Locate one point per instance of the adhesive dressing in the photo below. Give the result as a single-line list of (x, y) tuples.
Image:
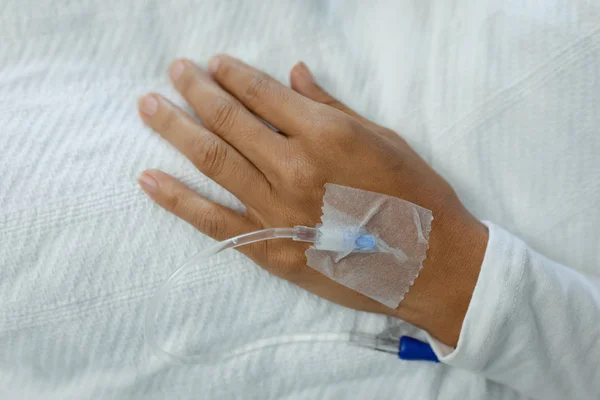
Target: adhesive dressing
[(398, 234)]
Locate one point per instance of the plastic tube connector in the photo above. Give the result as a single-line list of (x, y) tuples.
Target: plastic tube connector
[(342, 240), (405, 347), (305, 234)]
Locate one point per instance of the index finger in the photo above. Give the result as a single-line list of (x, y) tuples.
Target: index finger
[(268, 98)]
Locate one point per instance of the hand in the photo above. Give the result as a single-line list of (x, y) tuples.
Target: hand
[(279, 176)]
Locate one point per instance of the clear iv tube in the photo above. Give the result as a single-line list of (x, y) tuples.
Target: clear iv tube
[(298, 233), (406, 348)]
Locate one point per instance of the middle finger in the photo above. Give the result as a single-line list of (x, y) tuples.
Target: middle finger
[(225, 116)]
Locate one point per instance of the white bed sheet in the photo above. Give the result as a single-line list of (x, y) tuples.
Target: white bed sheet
[(501, 97)]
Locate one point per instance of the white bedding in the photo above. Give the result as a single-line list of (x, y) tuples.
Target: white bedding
[(501, 97)]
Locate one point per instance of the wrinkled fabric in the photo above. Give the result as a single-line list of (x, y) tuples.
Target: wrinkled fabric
[(500, 97)]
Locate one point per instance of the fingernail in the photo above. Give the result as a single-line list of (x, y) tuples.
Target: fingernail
[(148, 105), (213, 65), (148, 183), (305, 72), (176, 70)]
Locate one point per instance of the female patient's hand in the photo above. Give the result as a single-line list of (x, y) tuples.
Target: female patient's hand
[(280, 177)]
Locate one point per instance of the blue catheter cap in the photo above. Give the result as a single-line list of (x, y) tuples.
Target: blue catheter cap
[(413, 349)]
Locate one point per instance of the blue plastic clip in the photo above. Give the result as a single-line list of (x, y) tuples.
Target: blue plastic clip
[(413, 349)]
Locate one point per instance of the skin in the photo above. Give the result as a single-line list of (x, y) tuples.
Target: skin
[(280, 178)]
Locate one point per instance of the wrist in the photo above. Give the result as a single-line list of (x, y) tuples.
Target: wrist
[(439, 299)]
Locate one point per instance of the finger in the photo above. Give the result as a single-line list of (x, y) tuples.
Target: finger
[(210, 154), (268, 98), (210, 218), (303, 82), (224, 115)]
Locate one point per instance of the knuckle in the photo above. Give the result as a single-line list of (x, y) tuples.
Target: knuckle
[(257, 87), (340, 131), (210, 155), (348, 124), (174, 202), (303, 178), (338, 135), (322, 119), (224, 115), (288, 262), (210, 221), (262, 252), (252, 131), (295, 262), (224, 70), (187, 85), (168, 121)]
